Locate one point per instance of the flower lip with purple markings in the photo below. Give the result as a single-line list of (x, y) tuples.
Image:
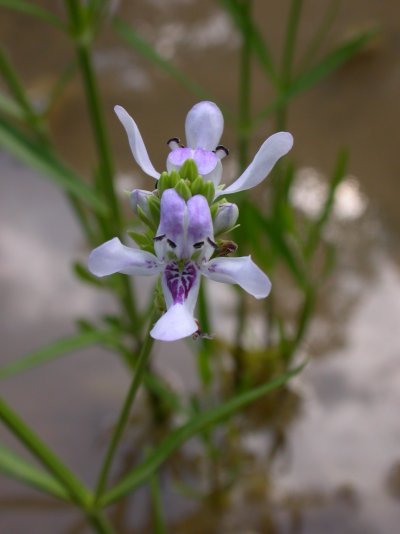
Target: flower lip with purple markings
[(204, 126), (183, 244)]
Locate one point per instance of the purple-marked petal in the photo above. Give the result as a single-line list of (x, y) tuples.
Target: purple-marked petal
[(173, 214), (114, 257), (270, 151), (180, 288), (176, 323), (181, 284), (136, 142), (204, 126), (242, 271)]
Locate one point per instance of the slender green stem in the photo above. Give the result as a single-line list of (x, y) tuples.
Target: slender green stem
[(82, 36), (243, 145), (244, 86), (126, 408), (100, 523), (287, 58), (158, 516)]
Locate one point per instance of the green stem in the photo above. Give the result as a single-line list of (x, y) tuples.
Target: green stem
[(82, 35), (243, 146), (244, 86), (100, 523), (287, 58), (158, 516), (126, 408)]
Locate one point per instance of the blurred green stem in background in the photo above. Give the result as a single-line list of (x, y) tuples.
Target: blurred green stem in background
[(140, 368)]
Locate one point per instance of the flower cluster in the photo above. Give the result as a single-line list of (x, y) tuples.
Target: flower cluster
[(185, 215)]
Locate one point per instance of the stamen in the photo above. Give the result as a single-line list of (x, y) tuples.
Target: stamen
[(199, 244), (221, 152), (174, 143), (158, 237), (171, 243), (212, 243)]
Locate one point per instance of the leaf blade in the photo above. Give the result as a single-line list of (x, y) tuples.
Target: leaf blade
[(210, 417), (44, 161), (16, 467)]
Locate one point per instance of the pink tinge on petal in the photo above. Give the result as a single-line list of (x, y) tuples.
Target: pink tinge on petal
[(206, 161), (178, 156)]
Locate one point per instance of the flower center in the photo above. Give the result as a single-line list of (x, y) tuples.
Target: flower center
[(180, 279)]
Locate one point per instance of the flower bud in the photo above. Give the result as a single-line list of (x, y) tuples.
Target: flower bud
[(225, 218), (140, 198)]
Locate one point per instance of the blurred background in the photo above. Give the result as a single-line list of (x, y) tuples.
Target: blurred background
[(332, 462)]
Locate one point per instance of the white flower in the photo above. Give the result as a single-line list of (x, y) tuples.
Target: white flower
[(204, 125), (184, 244)]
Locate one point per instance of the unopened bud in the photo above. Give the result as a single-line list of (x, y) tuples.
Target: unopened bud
[(225, 218), (140, 198)]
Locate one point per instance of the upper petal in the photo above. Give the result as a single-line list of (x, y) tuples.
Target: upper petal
[(114, 257), (136, 142), (242, 271), (173, 221), (270, 151), (200, 235), (204, 126)]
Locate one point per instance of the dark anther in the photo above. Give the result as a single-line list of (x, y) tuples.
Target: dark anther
[(171, 243), (158, 237), (223, 148), (173, 139), (212, 243), (199, 244)]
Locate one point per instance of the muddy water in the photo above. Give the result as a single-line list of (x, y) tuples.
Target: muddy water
[(339, 468)]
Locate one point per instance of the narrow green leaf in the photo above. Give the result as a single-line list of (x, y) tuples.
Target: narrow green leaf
[(44, 161), (196, 425), (48, 459), (282, 246), (30, 8), (10, 107), (321, 70), (132, 38), (13, 466), (318, 226), (55, 350)]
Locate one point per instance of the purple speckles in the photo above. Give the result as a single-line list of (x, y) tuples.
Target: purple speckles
[(180, 282)]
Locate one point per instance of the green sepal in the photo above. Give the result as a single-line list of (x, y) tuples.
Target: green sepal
[(174, 178), (147, 221), (214, 209), (197, 186), (163, 183), (189, 171), (153, 204), (209, 191), (183, 190), (144, 241)]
